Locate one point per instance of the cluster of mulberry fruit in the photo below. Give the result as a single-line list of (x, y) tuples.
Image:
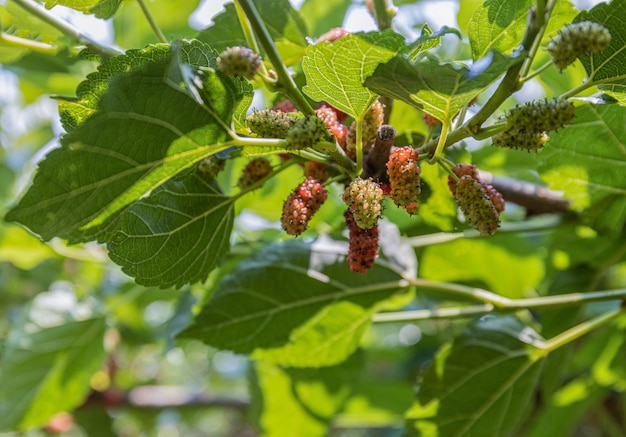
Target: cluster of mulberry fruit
[(480, 203), (577, 39), (301, 205), (527, 125)]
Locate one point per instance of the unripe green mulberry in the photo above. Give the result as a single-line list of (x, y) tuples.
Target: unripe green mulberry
[(239, 61), (253, 172), (211, 166), (404, 176), (306, 132), (578, 39), (526, 125), (269, 123), (477, 206), (363, 248), (364, 198), (372, 121), (301, 205)]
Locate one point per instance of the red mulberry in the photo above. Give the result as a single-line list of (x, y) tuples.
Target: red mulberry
[(301, 205), (363, 248)]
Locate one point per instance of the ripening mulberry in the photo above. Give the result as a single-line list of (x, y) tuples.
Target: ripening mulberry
[(306, 132), (477, 205), (578, 39), (253, 172), (514, 139), (363, 245), (461, 170), (332, 35), (270, 123), (316, 170), (301, 205), (404, 176), (239, 61), (364, 198), (332, 119)]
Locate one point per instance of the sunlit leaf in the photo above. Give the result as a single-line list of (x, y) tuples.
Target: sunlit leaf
[(480, 385), (587, 162), (500, 24), (100, 8), (438, 88), (148, 128), (335, 71)]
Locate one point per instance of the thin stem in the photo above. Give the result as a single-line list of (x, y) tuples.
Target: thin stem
[(542, 13), (67, 29), (381, 13), (537, 72), (284, 78), (153, 24), (441, 143), (359, 146), (24, 43), (439, 313), (579, 330), (490, 131)]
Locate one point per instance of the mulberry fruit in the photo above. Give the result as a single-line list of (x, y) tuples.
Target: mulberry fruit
[(364, 198), (404, 176), (578, 39), (332, 35), (332, 120), (211, 166), (461, 170), (316, 170), (526, 125), (363, 248), (253, 172), (301, 205), (306, 132), (270, 123), (477, 205), (239, 61)]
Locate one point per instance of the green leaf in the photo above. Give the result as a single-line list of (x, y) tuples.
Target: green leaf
[(440, 89), (480, 385), (17, 22), (296, 304), (608, 67), (48, 359), (101, 8), (177, 235), (147, 129), (514, 270), (323, 16), (302, 401), (284, 24), (429, 40), (500, 24), (335, 71), (586, 160)]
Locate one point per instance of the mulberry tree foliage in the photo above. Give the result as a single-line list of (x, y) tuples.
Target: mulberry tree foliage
[(355, 236)]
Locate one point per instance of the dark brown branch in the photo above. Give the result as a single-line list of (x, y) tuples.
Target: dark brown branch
[(535, 198), (376, 161)]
